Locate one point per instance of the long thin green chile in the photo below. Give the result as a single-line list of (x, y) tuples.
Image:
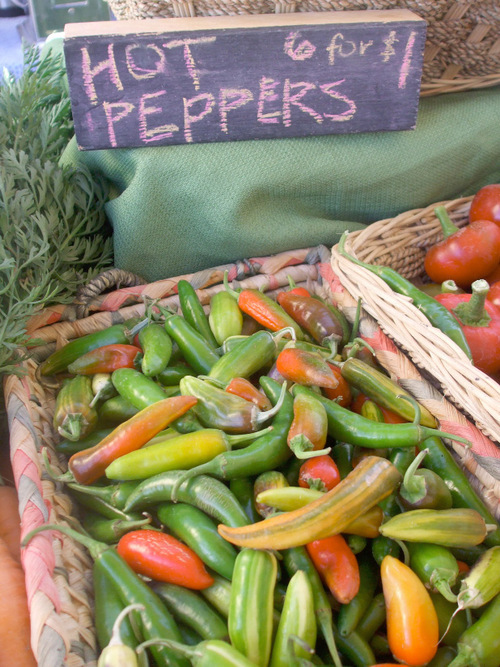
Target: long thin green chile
[(115, 495), (208, 494), (242, 487), (197, 352), (101, 506), (190, 608), (440, 460), (266, 453), (69, 447), (350, 614), (207, 653), (193, 311), (157, 622), (437, 315), (109, 531), (373, 618), (193, 527), (348, 426)]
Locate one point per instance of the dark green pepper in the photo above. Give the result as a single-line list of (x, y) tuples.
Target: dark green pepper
[(193, 311)]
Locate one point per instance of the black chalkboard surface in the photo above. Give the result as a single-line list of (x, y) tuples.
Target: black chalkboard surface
[(203, 79)]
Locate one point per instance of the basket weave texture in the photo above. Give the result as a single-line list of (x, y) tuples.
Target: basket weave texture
[(462, 48), (58, 570)]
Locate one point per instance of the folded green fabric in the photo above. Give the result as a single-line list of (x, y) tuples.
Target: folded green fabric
[(179, 209)]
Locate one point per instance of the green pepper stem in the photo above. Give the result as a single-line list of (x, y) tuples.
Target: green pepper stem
[(449, 287), (472, 312), (447, 226), (442, 584), (71, 429), (278, 335), (356, 344), (267, 414), (116, 638), (228, 288), (183, 649), (414, 485), (132, 333), (416, 406), (243, 438), (94, 547), (64, 477)]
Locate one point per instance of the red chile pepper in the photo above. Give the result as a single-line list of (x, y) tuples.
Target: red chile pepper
[(311, 315), (163, 558), (342, 393), (320, 473), (465, 254), (480, 322), (89, 465), (264, 310), (105, 359), (309, 430), (337, 566), (305, 368)]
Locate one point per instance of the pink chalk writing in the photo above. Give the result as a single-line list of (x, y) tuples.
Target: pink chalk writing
[(289, 100), (267, 92), (303, 51), (190, 119), (138, 72), (405, 66), (149, 135), (238, 97), (188, 55), (89, 73), (112, 118)]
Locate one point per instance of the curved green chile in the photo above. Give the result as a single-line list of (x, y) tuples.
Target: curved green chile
[(373, 618), (193, 312), (440, 460), (347, 426), (156, 345), (172, 375), (242, 487), (115, 495), (479, 644), (193, 527), (115, 411), (208, 494), (445, 611), (266, 453), (190, 609), (197, 352), (109, 531)]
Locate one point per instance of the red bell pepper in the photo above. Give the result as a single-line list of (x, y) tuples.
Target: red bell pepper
[(465, 254), (480, 321)]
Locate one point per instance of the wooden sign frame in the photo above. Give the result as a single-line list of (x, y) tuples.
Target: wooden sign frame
[(213, 79)]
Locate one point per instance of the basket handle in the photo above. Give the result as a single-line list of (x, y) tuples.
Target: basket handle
[(106, 281)]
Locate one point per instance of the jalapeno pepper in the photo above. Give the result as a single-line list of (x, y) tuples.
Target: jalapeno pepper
[(250, 355), (137, 388), (197, 352), (157, 346), (225, 317), (193, 311), (436, 566)]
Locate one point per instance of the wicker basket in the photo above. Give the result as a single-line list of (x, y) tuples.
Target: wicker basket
[(462, 49), (58, 571)]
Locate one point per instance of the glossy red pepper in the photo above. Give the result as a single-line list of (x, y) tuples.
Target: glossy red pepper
[(305, 368), (320, 473), (485, 204), (312, 315), (337, 566), (480, 321), (342, 393), (164, 558), (89, 465), (494, 294), (465, 254), (105, 359)]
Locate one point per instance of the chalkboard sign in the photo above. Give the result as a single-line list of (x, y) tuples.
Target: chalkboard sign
[(204, 79)]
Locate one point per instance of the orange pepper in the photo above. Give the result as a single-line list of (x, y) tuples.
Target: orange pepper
[(412, 622)]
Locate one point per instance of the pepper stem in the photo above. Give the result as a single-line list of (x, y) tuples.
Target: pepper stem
[(183, 649), (303, 448), (357, 319), (71, 428), (450, 287), (278, 335), (447, 226), (473, 313), (65, 477), (441, 583), (267, 414), (413, 487), (355, 345), (94, 547), (116, 638), (243, 438), (227, 287)]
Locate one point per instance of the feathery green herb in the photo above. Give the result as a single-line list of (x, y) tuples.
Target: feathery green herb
[(54, 235)]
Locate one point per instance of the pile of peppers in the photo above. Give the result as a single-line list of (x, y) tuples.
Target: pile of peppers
[(255, 490)]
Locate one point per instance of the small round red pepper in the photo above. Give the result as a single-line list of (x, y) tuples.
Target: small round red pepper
[(485, 204)]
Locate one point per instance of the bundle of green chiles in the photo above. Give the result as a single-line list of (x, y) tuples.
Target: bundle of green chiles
[(254, 489)]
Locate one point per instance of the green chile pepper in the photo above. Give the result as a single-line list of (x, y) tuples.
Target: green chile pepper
[(59, 360), (225, 317), (197, 352), (347, 426), (250, 620), (190, 609), (297, 621), (351, 613), (452, 623), (156, 345), (444, 656), (172, 375), (436, 566), (207, 653), (115, 411), (115, 495), (242, 488), (423, 488), (193, 527), (479, 644), (109, 531), (69, 447), (136, 388), (250, 356), (208, 494), (373, 618), (193, 311)]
